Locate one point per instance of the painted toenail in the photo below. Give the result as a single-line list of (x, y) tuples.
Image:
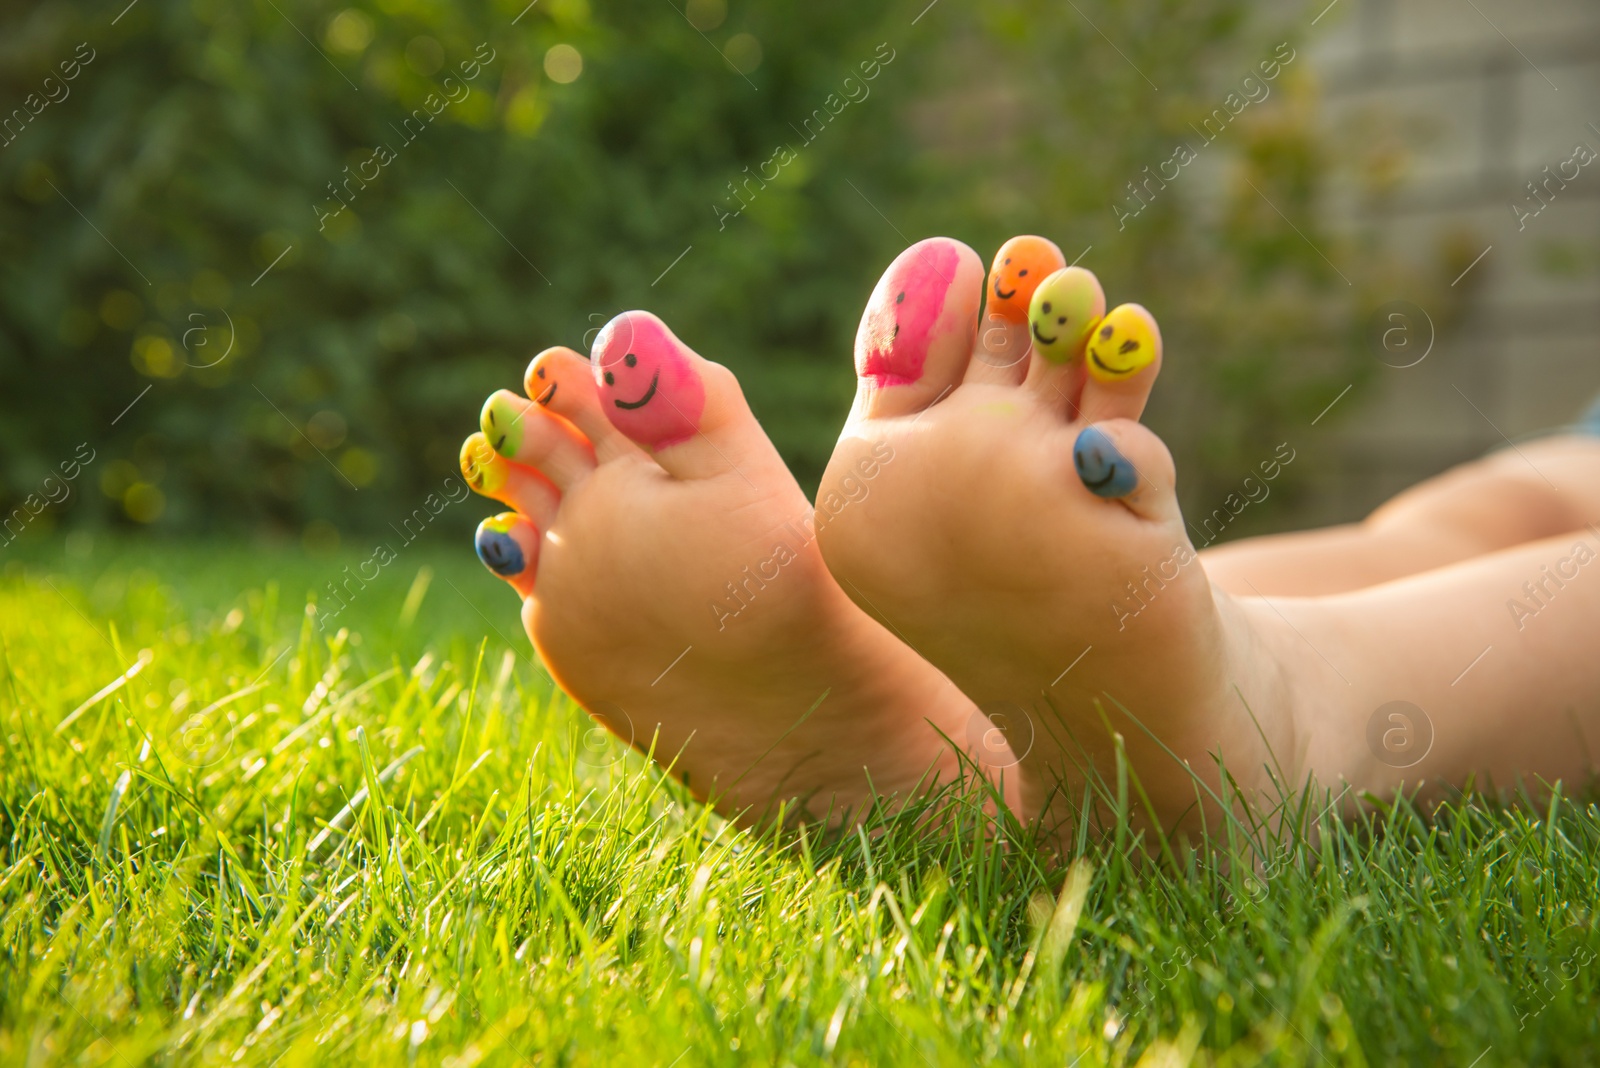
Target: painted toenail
[(496, 547), (502, 425), (650, 389), (484, 469), (1012, 287), (1104, 470), (1124, 346), (1064, 309), (898, 326)]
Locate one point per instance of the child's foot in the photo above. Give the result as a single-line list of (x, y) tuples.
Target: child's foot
[(1026, 539), (672, 584)]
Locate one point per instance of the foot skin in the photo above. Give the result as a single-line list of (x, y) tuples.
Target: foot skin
[(1026, 540), (672, 584), (1025, 537)]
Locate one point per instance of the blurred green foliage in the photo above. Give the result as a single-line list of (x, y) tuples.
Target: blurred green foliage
[(184, 196)]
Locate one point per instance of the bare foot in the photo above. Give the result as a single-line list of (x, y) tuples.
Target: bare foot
[(1026, 539), (672, 584)]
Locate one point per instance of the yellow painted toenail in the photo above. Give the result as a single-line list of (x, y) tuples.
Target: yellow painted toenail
[(1123, 344), (1064, 309), (484, 469)]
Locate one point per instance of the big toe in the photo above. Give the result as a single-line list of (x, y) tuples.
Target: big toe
[(917, 332), (687, 411)]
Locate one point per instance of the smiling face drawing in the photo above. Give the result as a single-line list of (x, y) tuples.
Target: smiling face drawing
[(898, 326), (648, 387), (485, 470), (1123, 344), (1018, 268), (1064, 309), (546, 391)]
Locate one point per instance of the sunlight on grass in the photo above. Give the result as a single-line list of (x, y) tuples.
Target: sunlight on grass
[(229, 836)]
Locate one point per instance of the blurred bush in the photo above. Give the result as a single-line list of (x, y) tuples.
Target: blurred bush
[(321, 234)]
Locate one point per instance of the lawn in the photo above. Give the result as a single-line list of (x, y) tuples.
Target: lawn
[(229, 836)]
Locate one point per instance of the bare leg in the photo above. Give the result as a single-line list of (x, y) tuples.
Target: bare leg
[(1540, 489)]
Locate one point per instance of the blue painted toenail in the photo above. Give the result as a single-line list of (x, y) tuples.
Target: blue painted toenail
[(499, 551), (1103, 469)]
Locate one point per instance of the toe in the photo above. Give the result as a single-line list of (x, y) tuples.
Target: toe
[(508, 545), (561, 381), (1122, 460), (1021, 264), (1064, 309), (687, 411), (493, 476), (520, 430), (917, 332), (1121, 359)]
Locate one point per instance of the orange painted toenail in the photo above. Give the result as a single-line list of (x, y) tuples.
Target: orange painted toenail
[(1018, 268)]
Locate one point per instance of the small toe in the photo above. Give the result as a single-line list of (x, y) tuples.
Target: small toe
[(562, 382), (686, 411), (523, 431), (495, 477), (1121, 359), (918, 330), (1001, 355), (508, 545), (1064, 309), (1122, 460)]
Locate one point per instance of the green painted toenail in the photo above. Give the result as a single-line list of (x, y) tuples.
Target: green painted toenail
[(502, 425), (1064, 309)]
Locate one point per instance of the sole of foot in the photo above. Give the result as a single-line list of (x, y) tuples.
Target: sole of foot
[(1023, 534), (672, 585)]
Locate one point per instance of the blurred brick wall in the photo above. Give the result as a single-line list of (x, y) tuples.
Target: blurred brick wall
[(1442, 112)]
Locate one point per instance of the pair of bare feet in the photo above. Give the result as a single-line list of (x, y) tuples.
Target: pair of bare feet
[(997, 566)]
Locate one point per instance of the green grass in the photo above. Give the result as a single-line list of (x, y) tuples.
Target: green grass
[(177, 885)]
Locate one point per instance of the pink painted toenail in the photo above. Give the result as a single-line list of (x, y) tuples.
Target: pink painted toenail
[(648, 387), (897, 327)]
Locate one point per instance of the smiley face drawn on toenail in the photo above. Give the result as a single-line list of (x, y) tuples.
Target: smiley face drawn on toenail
[(485, 470), (654, 392), (502, 425), (1018, 268), (655, 380), (1122, 346), (1040, 338), (545, 395), (1063, 311), (897, 327), (1105, 472), (498, 550)]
